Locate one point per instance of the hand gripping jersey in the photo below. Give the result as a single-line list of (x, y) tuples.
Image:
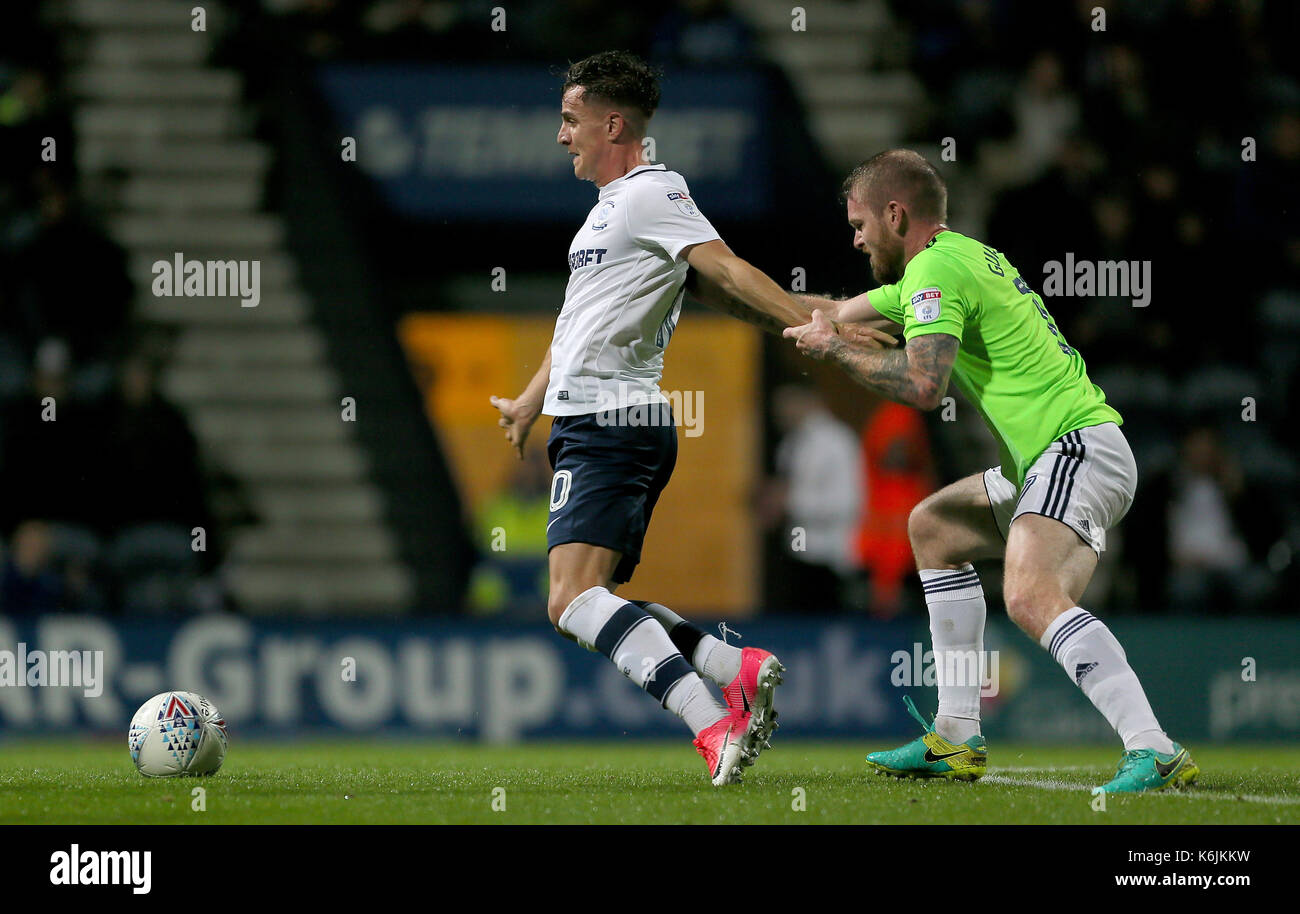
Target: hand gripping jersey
[(626, 279), (1014, 365)]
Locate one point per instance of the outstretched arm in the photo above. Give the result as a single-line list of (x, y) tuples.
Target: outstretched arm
[(726, 283), (733, 286), (915, 376), (855, 310)]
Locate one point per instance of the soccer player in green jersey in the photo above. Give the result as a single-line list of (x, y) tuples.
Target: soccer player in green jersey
[(1066, 474)]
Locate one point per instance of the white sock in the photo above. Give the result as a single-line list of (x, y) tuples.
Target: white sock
[(1094, 659), (643, 652), (955, 600), (691, 700), (716, 660), (712, 658)]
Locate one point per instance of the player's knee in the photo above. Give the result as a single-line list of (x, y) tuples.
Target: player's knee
[(563, 593), (557, 602), (1029, 601), (924, 531), (919, 523), (1020, 603)]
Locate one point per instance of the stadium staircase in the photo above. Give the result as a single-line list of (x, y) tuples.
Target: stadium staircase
[(846, 70), (171, 133)]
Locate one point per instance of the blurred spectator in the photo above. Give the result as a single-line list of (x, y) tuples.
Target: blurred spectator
[(72, 284), (150, 454), (1208, 557), (1206, 481), (816, 499), (1187, 535), (30, 584), (1115, 95), (102, 496), (1046, 113), (898, 465), (512, 536), (156, 496)]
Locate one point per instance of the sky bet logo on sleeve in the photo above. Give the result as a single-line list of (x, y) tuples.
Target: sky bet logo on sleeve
[(927, 304), (684, 203)]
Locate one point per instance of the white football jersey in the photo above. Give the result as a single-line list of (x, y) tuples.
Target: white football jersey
[(626, 279)]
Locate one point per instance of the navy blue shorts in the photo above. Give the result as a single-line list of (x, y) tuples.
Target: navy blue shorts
[(608, 475)]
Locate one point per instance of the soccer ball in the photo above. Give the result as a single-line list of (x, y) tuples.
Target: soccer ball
[(175, 734)]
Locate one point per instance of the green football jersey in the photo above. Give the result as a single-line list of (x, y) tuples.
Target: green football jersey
[(1013, 364)]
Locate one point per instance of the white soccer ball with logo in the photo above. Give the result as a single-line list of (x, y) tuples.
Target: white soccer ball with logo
[(176, 734)]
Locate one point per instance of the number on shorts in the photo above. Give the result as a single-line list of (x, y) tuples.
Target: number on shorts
[(561, 483)]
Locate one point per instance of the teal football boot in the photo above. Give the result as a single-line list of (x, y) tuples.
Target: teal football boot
[(932, 756), (1145, 769)]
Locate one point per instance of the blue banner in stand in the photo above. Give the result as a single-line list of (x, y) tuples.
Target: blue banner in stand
[(479, 142), (1228, 680)]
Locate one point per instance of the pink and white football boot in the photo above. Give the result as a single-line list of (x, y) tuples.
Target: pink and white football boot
[(753, 691), (722, 747)]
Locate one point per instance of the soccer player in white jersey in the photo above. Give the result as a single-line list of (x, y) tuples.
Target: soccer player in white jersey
[(613, 443)]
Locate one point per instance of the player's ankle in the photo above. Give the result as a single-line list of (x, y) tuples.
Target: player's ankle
[(1155, 740), (956, 729)]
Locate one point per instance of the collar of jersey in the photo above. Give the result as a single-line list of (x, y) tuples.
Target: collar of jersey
[(635, 171), (931, 242)]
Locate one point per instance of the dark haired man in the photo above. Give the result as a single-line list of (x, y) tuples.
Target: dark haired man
[(1066, 475), (613, 443)]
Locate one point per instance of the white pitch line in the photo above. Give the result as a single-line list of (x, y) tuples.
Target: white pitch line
[(1044, 784), (1189, 794)]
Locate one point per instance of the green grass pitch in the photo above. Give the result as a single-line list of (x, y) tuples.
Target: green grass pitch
[(373, 781)]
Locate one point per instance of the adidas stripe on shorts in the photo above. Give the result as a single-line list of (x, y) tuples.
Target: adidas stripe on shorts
[(1085, 479)]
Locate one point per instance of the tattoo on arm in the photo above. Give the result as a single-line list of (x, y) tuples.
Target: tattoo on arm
[(916, 375)]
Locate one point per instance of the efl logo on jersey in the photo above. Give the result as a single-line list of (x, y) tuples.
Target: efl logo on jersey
[(927, 304), (684, 203)]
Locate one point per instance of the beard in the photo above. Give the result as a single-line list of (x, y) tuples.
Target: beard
[(886, 271)]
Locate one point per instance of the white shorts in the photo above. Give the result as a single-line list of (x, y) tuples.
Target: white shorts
[(1085, 479)]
